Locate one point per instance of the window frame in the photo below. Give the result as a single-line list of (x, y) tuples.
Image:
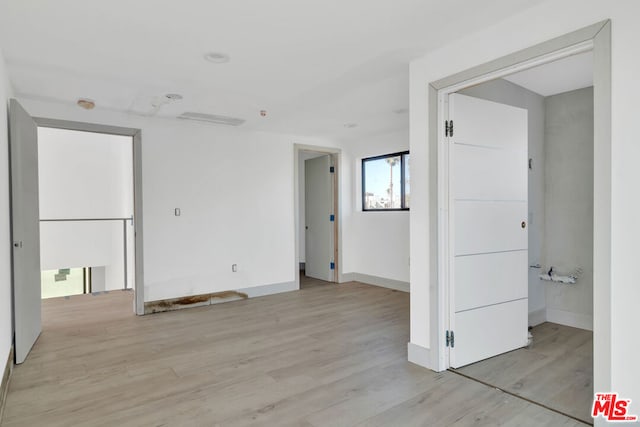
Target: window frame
[(400, 154)]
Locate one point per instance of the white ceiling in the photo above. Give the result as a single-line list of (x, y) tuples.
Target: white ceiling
[(313, 65), (571, 73)]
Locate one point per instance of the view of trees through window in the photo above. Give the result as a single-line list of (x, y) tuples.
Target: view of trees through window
[(385, 182)]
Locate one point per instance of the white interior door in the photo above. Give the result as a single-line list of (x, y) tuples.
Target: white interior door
[(318, 211), (25, 229), (488, 190)]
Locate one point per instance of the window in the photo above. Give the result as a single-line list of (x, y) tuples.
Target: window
[(385, 182)]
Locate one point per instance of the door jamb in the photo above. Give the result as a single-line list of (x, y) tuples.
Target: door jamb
[(597, 38), (136, 135), (336, 157)]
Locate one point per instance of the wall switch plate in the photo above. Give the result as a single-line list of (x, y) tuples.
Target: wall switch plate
[(234, 268), (177, 211)]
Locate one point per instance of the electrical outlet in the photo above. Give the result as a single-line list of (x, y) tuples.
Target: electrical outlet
[(234, 268)]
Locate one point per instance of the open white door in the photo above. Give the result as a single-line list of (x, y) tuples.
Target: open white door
[(488, 190), (318, 212), (25, 229)]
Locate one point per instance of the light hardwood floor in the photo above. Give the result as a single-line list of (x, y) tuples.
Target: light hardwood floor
[(309, 282), (556, 370), (323, 356)]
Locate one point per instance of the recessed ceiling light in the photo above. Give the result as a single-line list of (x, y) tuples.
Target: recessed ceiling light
[(217, 57), (85, 103), (350, 125)]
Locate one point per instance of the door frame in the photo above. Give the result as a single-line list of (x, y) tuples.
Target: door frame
[(596, 38), (136, 135), (336, 158)]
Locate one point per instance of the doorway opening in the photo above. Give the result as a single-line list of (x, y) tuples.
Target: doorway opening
[(595, 376), (86, 212), (521, 203), (26, 220), (318, 220)]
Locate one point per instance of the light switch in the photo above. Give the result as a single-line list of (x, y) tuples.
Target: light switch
[(177, 211)]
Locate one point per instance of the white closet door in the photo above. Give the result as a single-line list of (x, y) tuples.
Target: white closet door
[(489, 225), (318, 211), (25, 229)]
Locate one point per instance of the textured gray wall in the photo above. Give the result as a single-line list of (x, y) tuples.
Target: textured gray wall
[(568, 230), (511, 94)]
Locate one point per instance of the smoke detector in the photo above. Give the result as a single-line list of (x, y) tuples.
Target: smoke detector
[(211, 118), (217, 57)]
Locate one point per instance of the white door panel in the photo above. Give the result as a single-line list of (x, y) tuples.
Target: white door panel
[(505, 271), (488, 187), (25, 229), (487, 123), (319, 228), (488, 331), (476, 178), (490, 227)]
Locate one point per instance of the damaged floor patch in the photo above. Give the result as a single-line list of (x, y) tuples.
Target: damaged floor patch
[(193, 301)]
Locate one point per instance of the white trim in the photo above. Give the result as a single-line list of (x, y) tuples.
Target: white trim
[(5, 380), (272, 289), (576, 49), (419, 355), (553, 50), (537, 317), (568, 318), (382, 282)]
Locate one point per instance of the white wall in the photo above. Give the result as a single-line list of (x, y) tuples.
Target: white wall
[(535, 25), (376, 243), (6, 296), (86, 175), (234, 188), (568, 230), (508, 93)]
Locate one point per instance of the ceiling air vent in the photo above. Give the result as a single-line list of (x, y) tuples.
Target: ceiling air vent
[(212, 118)]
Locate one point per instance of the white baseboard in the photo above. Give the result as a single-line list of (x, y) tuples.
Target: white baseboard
[(4, 381), (568, 318), (397, 285), (537, 317), (275, 288), (217, 297), (419, 355)]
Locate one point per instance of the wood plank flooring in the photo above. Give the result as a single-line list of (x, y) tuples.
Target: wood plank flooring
[(330, 355), (556, 370)]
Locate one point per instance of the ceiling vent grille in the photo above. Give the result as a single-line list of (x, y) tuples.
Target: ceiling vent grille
[(212, 118)]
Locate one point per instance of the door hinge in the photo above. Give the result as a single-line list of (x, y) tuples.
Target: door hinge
[(332, 169), (448, 128), (450, 339)]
